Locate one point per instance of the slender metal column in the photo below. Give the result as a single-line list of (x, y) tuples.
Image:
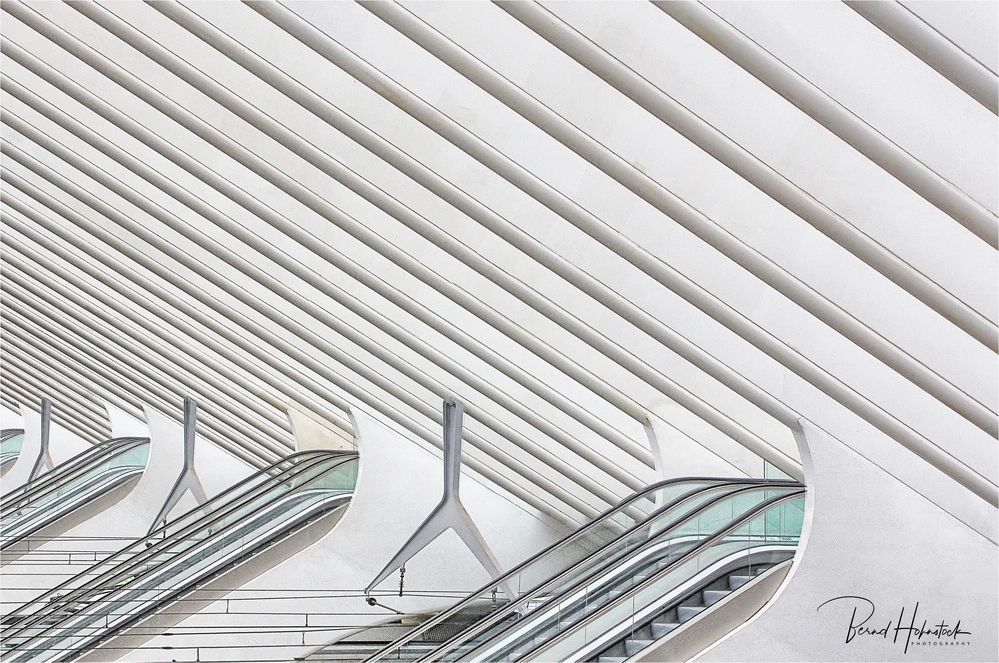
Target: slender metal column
[(43, 458), (449, 513), (188, 479)]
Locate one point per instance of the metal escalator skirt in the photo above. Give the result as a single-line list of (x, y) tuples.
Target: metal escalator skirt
[(613, 523), (194, 555), (750, 530), (686, 510), (79, 485)]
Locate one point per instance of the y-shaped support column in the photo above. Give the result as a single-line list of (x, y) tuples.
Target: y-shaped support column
[(44, 458), (449, 512), (188, 479)]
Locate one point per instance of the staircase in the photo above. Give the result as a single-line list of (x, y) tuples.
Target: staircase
[(361, 646), (679, 613)]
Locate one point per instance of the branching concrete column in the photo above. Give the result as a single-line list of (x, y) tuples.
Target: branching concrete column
[(44, 458), (188, 478), (449, 512)]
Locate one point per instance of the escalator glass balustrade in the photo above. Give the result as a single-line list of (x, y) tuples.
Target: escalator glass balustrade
[(583, 621), (11, 441), (699, 505), (174, 559), (75, 483), (571, 597)]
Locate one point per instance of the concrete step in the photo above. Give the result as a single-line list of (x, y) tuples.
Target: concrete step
[(659, 629), (686, 613), (712, 596), (632, 647)]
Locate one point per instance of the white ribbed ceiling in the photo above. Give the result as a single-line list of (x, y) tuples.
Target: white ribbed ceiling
[(570, 216)]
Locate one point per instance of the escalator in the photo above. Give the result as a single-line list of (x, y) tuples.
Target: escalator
[(590, 596), (95, 472), (197, 547), (11, 440)]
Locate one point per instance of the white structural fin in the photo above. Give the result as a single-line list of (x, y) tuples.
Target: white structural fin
[(312, 434), (63, 445), (123, 424)]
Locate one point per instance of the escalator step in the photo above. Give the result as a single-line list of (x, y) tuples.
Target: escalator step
[(735, 582), (712, 596), (686, 613), (632, 647), (659, 629)]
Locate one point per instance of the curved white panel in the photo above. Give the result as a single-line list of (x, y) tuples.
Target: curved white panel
[(874, 538), (10, 419)]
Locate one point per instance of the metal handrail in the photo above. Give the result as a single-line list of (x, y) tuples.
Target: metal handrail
[(64, 586), (634, 497), (69, 469), (302, 520), (714, 538), (84, 467), (499, 615), (96, 585), (98, 485), (156, 544)]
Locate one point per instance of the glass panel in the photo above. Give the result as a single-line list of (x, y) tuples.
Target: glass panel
[(548, 564), (779, 525), (278, 506), (10, 448), (101, 473), (602, 577)]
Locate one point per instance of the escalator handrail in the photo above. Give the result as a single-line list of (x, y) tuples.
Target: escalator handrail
[(501, 614), (66, 470), (69, 474), (282, 527), (286, 528), (310, 459), (138, 543), (29, 505), (57, 473), (53, 475), (94, 585), (654, 577), (634, 497), (690, 587), (200, 545), (88, 641), (99, 485)]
